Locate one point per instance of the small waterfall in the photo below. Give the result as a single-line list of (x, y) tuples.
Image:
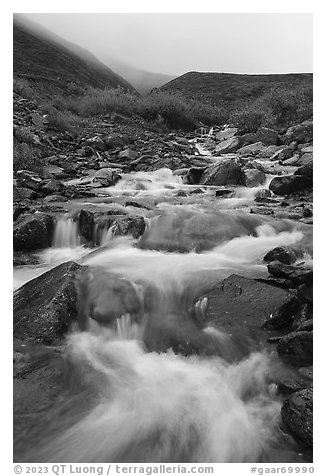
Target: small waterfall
[(107, 235), (66, 233)]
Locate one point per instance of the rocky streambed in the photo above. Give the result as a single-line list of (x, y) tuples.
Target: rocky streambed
[(163, 301)]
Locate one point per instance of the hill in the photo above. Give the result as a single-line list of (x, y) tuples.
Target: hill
[(230, 89), (43, 59)]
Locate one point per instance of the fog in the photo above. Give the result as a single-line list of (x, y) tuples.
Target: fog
[(174, 43)]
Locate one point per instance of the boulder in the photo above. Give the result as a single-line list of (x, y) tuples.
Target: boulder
[(194, 175), (126, 225), (55, 198), (23, 193), (239, 301), (254, 177), (226, 172), (53, 171), (107, 177), (28, 179), (226, 134), (296, 348), (300, 133), (305, 170), (105, 297), (289, 184), (52, 186), (252, 149), (32, 232), (297, 415), (267, 136), (227, 146), (127, 154), (297, 274), (45, 307), (283, 254), (86, 224)]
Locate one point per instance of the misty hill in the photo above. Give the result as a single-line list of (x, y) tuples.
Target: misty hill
[(53, 63), (218, 88), (142, 81)]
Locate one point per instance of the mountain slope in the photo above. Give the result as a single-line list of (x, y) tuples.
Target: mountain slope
[(142, 81), (217, 88), (42, 59)]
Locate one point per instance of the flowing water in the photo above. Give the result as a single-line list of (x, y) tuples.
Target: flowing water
[(144, 378)]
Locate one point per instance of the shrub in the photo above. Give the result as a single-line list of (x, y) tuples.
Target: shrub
[(25, 156), (62, 120), (22, 87)]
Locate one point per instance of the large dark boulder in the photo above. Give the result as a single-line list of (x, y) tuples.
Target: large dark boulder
[(227, 172), (267, 136), (301, 133), (296, 348), (283, 254), (194, 175), (288, 184), (28, 179), (32, 232), (126, 225), (86, 224), (306, 170), (239, 301), (297, 415), (45, 307), (297, 274)]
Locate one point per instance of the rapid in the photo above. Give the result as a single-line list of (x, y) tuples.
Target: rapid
[(146, 379)]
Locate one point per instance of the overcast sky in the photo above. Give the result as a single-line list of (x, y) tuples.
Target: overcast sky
[(175, 43)]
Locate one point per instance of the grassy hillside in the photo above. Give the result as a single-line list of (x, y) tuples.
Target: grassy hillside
[(53, 67), (234, 89)]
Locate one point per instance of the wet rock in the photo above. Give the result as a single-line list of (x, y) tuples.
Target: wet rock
[(297, 415), (194, 175), (125, 225), (296, 348), (306, 326), (289, 386), (22, 193), (86, 224), (28, 179), (33, 232), (227, 146), (45, 307), (300, 133), (222, 192), (227, 172), (254, 177), (139, 204), (107, 177), (289, 184), (106, 297), (267, 136), (306, 212), (19, 210), (297, 274), (306, 170), (282, 254), (239, 301)]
